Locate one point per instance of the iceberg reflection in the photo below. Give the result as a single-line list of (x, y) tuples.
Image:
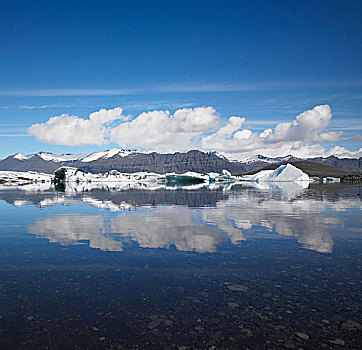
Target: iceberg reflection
[(236, 216), (288, 189)]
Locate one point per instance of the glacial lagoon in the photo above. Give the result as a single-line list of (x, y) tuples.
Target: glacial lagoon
[(238, 266)]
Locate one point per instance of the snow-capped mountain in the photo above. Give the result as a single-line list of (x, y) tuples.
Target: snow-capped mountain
[(20, 156), (84, 157), (109, 154), (130, 161), (125, 161), (260, 158)]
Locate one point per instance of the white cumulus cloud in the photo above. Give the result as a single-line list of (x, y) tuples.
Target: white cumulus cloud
[(342, 152), (166, 132), (71, 130), (298, 137)]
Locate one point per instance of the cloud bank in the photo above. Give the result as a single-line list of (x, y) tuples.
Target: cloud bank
[(162, 131), (69, 130), (301, 137), (202, 128)]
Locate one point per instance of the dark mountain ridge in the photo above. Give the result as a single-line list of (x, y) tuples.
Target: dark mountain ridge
[(134, 161)]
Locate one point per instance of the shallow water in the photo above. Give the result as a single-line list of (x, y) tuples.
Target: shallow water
[(231, 267)]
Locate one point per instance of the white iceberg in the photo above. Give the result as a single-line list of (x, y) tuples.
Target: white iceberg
[(225, 177), (70, 174), (284, 173), (23, 178), (75, 180)]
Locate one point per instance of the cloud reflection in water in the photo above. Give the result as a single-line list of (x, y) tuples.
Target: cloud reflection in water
[(202, 229)]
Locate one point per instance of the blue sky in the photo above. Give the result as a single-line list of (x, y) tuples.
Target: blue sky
[(266, 61)]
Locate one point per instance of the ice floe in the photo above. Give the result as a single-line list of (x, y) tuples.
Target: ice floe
[(330, 179), (23, 178), (75, 179), (70, 174), (284, 173)]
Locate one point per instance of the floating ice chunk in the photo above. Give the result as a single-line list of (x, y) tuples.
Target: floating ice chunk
[(225, 177), (70, 174), (288, 172), (284, 173), (23, 177), (260, 176), (329, 179)]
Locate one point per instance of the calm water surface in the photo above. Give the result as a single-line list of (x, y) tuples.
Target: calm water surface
[(209, 268)]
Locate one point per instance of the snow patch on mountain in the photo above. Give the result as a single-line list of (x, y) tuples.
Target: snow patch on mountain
[(20, 156), (61, 158), (218, 154), (261, 158), (108, 154), (84, 157)]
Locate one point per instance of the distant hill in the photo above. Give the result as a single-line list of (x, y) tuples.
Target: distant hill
[(344, 164), (136, 161), (310, 168)]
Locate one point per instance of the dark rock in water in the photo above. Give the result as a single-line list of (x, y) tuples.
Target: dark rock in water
[(255, 341), (351, 325), (154, 324), (302, 336), (338, 341), (355, 177), (233, 305), (237, 287)]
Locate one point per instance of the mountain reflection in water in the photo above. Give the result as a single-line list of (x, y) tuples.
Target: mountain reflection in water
[(197, 220)]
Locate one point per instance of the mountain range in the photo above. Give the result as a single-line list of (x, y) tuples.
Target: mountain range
[(136, 161)]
